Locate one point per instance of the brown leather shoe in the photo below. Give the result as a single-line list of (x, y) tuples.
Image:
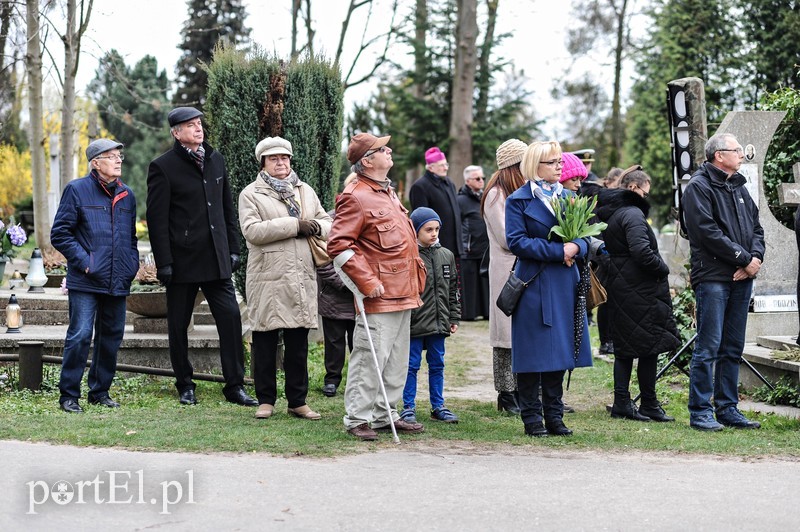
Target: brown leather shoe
[(363, 432), (304, 412), (264, 411), (403, 426)]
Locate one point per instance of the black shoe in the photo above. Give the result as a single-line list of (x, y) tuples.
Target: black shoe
[(733, 418), (627, 410), (329, 390), (105, 401), (556, 427), (239, 397), (187, 397), (607, 348), (507, 401), (536, 430), (71, 406), (655, 413)]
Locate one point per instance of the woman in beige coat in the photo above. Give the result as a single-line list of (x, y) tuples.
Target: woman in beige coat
[(506, 180), (278, 215)]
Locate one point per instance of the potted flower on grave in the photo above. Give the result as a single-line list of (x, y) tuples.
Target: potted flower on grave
[(11, 235), (148, 297), (55, 267)]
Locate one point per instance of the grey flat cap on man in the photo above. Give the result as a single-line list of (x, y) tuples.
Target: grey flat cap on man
[(99, 146), (182, 114)]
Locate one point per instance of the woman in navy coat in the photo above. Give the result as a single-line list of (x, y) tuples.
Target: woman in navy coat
[(542, 327)]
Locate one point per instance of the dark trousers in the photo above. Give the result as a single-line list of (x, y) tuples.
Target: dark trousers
[(604, 324), (295, 365), (550, 406), (105, 316), (338, 337), (221, 299), (646, 371)]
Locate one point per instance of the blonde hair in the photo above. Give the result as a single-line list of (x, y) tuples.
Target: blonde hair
[(536, 153)]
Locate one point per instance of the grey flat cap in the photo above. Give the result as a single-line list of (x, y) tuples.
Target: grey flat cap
[(101, 146), (182, 114)]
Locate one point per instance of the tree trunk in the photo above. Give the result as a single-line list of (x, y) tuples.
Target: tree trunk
[(461, 108), (68, 98), (420, 69), (616, 114), (484, 63), (295, 14), (33, 62)]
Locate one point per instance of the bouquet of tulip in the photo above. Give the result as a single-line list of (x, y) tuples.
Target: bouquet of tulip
[(573, 214), (10, 235)]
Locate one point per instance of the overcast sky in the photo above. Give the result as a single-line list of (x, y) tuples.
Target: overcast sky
[(142, 27)]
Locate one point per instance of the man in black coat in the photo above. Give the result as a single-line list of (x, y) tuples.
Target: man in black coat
[(436, 191), (195, 240), (474, 287)]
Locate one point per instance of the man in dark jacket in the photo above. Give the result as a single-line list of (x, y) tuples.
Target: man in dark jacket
[(727, 247), (475, 241), (195, 240), (95, 229), (436, 191)]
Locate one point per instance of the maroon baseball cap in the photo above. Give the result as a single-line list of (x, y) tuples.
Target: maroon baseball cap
[(362, 143)]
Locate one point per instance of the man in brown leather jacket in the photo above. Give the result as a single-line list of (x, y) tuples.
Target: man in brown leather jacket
[(371, 221)]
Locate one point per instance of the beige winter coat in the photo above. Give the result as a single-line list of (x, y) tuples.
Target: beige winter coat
[(281, 283), (500, 262)]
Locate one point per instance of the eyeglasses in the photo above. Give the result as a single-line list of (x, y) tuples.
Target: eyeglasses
[(382, 149), (113, 157), (644, 193), (479, 178), (554, 162), (738, 150)]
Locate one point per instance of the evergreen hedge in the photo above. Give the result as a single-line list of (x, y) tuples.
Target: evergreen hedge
[(253, 95)]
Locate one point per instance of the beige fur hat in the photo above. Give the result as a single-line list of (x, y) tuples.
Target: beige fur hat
[(510, 153)]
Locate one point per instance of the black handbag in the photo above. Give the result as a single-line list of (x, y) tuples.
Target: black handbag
[(483, 269), (509, 296)]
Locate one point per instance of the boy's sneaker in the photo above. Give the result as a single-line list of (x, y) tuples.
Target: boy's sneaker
[(444, 415), (409, 415)]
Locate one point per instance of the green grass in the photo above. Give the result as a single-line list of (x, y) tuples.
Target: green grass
[(152, 419)]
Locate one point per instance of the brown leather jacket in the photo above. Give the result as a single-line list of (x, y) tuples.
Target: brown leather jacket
[(374, 224)]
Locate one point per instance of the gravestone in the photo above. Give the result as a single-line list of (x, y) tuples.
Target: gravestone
[(774, 290)]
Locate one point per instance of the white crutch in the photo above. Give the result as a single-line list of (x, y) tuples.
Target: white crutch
[(338, 261)]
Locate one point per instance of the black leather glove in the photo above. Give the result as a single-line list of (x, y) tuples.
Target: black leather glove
[(308, 228), (164, 274), (235, 262)]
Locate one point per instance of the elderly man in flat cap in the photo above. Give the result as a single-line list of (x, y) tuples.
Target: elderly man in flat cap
[(195, 240), (371, 223), (95, 229)]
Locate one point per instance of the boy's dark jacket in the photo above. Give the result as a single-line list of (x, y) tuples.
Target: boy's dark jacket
[(441, 305)]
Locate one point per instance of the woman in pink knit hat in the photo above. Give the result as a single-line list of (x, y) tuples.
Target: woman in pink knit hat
[(573, 172)]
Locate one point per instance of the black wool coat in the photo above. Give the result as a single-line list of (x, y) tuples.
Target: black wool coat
[(440, 195), (474, 237), (190, 216), (639, 303)]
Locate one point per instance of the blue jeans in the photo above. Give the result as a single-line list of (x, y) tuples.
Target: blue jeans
[(434, 354), (721, 321), (105, 316)]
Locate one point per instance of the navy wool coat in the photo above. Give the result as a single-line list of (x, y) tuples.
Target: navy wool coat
[(542, 328), (95, 231)]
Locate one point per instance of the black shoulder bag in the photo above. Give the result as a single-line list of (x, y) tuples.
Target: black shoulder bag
[(509, 296)]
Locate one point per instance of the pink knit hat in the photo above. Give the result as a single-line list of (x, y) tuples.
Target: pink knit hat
[(434, 155), (573, 167)]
